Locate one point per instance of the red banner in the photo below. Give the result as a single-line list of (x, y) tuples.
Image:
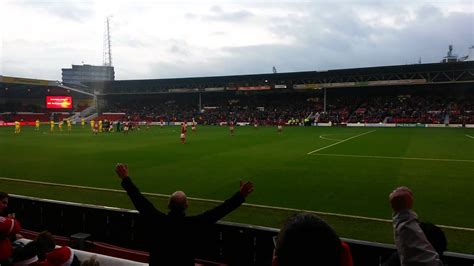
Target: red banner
[(8, 124), (58, 102)]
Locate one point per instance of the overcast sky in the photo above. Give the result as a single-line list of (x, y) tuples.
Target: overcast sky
[(162, 39)]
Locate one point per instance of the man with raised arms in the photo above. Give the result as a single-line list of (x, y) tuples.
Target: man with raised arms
[(174, 236)]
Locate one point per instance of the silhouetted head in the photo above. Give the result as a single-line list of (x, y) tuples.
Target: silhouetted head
[(3, 202), (305, 239), (92, 261), (44, 243), (178, 202)]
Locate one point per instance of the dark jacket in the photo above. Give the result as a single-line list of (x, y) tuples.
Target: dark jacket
[(174, 236)]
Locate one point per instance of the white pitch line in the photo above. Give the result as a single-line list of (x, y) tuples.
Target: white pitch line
[(339, 142), (394, 157), (469, 136), (96, 188), (219, 201), (323, 137)]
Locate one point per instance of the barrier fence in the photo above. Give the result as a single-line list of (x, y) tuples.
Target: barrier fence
[(230, 243)]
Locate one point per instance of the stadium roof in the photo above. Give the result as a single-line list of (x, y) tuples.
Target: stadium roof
[(22, 86), (28, 81), (459, 72)]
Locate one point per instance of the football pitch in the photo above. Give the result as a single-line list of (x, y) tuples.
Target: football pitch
[(344, 174)]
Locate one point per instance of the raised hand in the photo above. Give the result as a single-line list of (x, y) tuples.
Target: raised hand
[(121, 170), (401, 198), (246, 188)]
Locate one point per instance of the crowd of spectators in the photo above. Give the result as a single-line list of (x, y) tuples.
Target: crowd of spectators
[(461, 111), (20, 107), (268, 109), (401, 109), (42, 251), (304, 238)]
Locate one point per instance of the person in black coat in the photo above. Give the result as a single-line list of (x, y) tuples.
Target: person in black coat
[(174, 236)]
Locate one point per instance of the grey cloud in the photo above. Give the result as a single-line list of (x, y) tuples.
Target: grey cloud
[(133, 43), (66, 9), (230, 16), (244, 60), (218, 33), (191, 16), (428, 11), (347, 43), (325, 35), (218, 14), (179, 47), (342, 40), (216, 9)]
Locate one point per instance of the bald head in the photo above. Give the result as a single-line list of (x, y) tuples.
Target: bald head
[(178, 201)]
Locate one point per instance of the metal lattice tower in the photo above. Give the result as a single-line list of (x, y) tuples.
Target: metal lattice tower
[(107, 46)]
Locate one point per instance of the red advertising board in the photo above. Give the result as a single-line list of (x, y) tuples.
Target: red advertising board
[(58, 102), (7, 124)]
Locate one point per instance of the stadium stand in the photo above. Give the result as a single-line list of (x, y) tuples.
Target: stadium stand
[(423, 93), (111, 117), (392, 106)]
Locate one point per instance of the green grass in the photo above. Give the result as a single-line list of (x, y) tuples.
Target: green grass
[(212, 162)]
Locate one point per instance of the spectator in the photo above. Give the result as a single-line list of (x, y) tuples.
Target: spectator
[(3, 203), (412, 244), (174, 235), (435, 236), (27, 255), (5, 212), (44, 243), (92, 261), (8, 228), (306, 239), (42, 252), (63, 256)]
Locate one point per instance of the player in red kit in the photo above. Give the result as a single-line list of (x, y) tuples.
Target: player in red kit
[(231, 127), (95, 128), (162, 121), (183, 132), (280, 124)]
